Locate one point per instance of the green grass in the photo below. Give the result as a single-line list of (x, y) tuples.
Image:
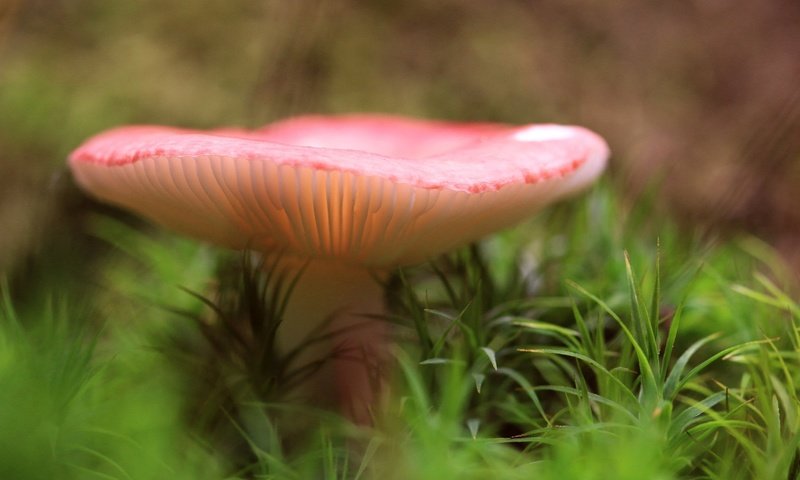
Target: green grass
[(596, 341)]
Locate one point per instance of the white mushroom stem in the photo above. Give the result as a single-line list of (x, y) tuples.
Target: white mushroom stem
[(334, 298)]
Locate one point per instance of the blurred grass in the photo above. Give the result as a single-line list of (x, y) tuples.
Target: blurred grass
[(619, 349), (73, 409)]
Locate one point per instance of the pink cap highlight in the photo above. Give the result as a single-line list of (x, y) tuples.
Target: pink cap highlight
[(368, 189)]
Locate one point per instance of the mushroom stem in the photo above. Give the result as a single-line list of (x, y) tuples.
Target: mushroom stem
[(342, 301)]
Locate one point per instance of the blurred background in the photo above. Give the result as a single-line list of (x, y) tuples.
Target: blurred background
[(699, 99)]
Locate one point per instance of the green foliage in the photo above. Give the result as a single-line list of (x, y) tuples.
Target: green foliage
[(71, 412), (623, 384), (591, 343)]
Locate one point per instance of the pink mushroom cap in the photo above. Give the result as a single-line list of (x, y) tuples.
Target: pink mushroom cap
[(370, 190)]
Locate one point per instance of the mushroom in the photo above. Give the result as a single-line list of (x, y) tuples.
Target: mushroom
[(350, 197)]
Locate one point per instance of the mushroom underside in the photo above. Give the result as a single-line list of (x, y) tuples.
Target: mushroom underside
[(369, 221)]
